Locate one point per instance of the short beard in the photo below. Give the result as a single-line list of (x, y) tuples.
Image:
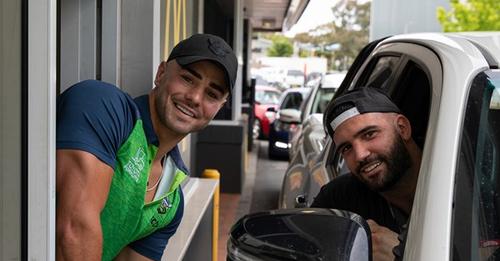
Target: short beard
[(398, 163), (160, 107)]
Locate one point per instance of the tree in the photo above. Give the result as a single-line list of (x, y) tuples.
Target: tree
[(281, 46), (341, 40), (470, 15)]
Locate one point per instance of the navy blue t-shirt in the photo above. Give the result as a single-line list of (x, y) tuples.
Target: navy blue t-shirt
[(97, 117)]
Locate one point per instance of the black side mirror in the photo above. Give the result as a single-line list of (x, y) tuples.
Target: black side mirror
[(300, 234), (271, 109)]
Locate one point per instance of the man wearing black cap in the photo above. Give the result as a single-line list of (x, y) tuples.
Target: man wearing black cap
[(375, 140), (118, 166)]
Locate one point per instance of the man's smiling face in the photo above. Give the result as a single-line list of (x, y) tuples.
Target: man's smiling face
[(373, 149), (188, 98)]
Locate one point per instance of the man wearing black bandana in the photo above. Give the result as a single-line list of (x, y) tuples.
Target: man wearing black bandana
[(375, 140)]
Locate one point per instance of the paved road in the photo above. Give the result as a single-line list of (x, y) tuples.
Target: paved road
[(268, 178)]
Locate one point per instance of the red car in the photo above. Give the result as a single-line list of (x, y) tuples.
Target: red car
[(265, 97)]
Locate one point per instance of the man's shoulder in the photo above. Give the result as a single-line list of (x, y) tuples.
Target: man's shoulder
[(97, 96), (345, 181), (345, 185), (95, 89)]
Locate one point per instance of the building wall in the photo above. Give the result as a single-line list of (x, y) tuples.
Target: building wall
[(10, 130), (390, 17)]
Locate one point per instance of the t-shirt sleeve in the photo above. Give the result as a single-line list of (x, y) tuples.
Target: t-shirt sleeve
[(332, 194), (153, 245), (322, 199), (95, 117)]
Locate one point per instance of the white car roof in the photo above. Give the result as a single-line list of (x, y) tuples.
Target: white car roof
[(490, 41), (332, 80)]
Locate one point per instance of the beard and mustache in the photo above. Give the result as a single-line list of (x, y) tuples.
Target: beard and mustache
[(397, 160)]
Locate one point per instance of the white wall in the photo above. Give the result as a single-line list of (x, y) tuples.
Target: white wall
[(42, 15)]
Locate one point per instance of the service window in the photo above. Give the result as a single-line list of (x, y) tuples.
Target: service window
[(476, 216)]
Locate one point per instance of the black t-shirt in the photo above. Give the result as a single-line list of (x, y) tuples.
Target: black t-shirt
[(346, 192)]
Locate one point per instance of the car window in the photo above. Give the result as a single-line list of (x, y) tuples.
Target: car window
[(292, 101), (295, 73), (382, 71), (412, 94), (323, 97), (267, 97), (476, 215)]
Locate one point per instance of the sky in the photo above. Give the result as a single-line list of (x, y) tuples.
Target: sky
[(317, 12)]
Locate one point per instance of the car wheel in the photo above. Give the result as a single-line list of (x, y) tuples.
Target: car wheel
[(256, 130)]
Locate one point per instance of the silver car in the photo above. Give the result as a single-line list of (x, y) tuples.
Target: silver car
[(304, 172)]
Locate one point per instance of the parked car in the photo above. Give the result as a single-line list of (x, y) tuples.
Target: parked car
[(290, 102), (311, 112), (265, 97), (448, 85), (304, 174), (294, 78)]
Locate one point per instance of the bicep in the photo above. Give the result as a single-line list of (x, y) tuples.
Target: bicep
[(82, 183)]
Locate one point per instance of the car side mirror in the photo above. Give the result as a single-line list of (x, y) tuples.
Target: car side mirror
[(271, 109), (290, 116), (300, 234)]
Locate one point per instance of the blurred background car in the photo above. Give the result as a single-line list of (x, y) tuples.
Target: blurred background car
[(294, 78), (305, 175), (311, 112), (265, 97), (286, 116)]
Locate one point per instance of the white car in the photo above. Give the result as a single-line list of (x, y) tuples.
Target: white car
[(448, 85), (294, 78)]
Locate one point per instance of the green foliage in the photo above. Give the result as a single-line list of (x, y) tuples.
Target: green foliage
[(349, 32), (470, 15), (281, 47), (304, 53)]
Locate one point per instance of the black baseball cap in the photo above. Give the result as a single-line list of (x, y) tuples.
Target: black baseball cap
[(356, 102), (200, 47)]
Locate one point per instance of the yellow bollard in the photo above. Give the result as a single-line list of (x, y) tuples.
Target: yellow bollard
[(214, 174)]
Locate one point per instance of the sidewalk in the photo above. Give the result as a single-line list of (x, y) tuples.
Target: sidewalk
[(234, 206)]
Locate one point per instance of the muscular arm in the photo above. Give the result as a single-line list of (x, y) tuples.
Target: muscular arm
[(82, 186)]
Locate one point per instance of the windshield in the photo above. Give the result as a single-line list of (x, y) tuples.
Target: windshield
[(267, 97), (476, 234), (323, 97)]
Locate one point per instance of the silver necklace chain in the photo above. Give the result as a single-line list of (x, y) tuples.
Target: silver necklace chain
[(158, 181)]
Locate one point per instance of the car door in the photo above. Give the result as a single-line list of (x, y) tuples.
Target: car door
[(412, 75)]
